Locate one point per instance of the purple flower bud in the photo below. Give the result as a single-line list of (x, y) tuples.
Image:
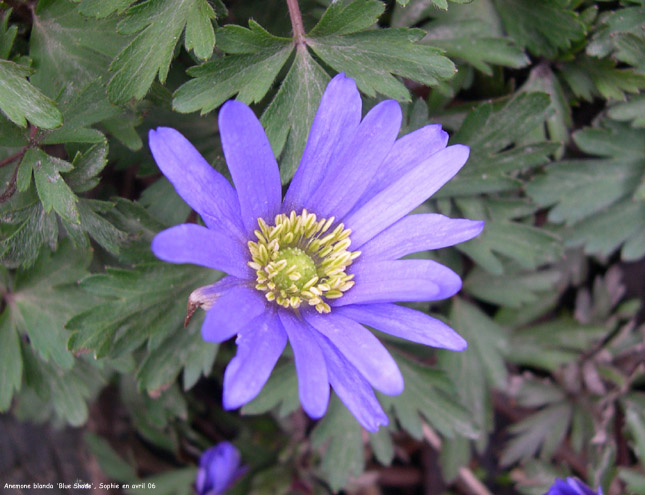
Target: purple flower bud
[(571, 486), (219, 468)]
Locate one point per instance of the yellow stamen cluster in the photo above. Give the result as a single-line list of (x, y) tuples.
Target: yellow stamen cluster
[(301, 259)]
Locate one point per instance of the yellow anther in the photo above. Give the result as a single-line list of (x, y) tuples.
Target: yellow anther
[(302, 259)]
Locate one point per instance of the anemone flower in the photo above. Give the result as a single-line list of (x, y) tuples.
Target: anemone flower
[(316, 266), (219, 468), (571, 486)]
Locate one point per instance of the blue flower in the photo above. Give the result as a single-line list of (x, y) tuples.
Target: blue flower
[(219, 467), (316, 266), (571, 486)]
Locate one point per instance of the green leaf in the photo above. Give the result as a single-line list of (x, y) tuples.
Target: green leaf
[(146, 302), (94, 224), (551, 345), (10, 361), (281, 390), (372, 58), (87, 166), (7, 35), (528, 246), (162, 202), (163, 364), (634, 479), (103, 8), (69, 392), (418, 10), (602, 234), (599, 199), (82, 108), (544, 28), (200, 35), (342, 435), (70, 49), (580, 188), (20, 101), (174, 482), (481, 367), (559, 119), (469, 40), (28, 227), (486, 341), (199, 362), (382, 446), (489, 132), (589, 77), (45, 296), (545, 429), (511, 290), (632, 110), (109, 461), (428, 394), (619, 32), (160, 24), (249, 75), (612, 140), (289, 116), (52, 189), (350, 18)]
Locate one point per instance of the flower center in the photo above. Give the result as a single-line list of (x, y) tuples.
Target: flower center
[(301, 259)]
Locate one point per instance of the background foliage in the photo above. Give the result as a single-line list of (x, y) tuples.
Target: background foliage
[(546, 94)]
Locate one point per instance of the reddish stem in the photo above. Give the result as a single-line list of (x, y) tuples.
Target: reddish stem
[(296, 22)]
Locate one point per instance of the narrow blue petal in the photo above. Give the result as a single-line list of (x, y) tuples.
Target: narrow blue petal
[(352, 389), (333, 127), (232, 312), (258, 350), (251, 162), (347, 178), (313, 381), (405, 323), (403, 280), (200, 185), (361, 348), (405, 194), (190, 243), (407, 152), (422, 232)]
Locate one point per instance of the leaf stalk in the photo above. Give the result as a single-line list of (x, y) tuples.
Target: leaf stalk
[(296, 22)]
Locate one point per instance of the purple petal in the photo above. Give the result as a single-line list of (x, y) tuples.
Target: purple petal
[(313, 381), (351, 387), (200, 185), (190, 243), (251, 162), (348, 176), (405, 194), (219, 466), (405, 323), (403, 280), (232, 312), (571, 486), (334, 125), (257, 352), (422, 232), (407, 153), (361, 348)]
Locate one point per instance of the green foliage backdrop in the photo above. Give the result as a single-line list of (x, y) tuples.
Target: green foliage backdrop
[(546, 94)]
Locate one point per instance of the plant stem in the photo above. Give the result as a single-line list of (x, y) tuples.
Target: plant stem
[(11, 187), (296, 22), (13, 157)]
